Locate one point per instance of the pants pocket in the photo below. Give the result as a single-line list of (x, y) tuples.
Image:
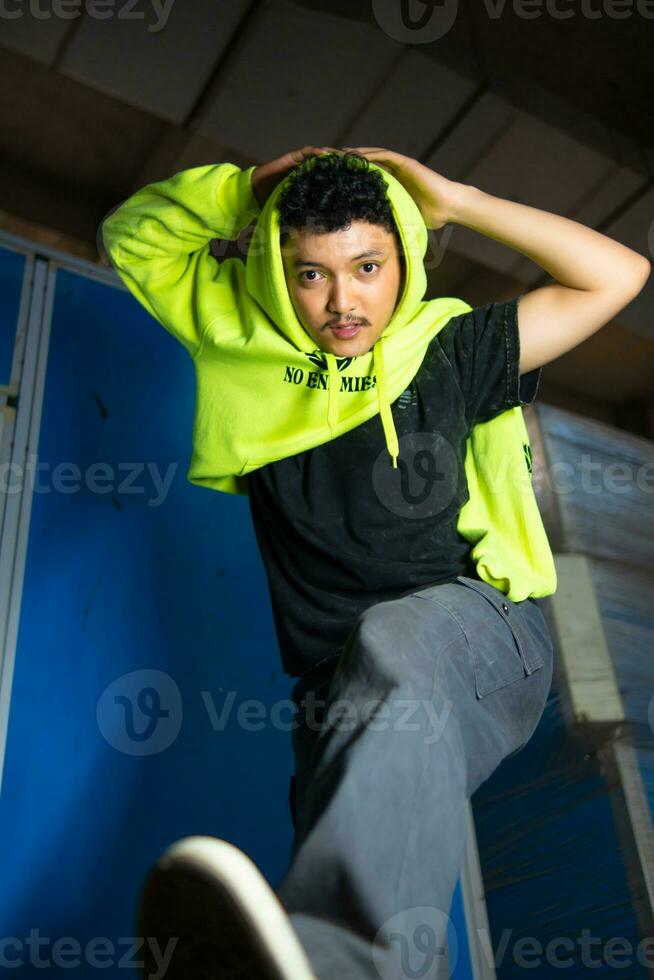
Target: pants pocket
[(502, 646)]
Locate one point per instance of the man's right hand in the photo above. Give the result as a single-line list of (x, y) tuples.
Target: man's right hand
[(266, 177)]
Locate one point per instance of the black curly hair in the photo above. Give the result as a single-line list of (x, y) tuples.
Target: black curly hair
[(327, 192)]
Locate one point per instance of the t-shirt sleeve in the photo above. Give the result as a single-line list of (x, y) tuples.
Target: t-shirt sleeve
[(483, 348)]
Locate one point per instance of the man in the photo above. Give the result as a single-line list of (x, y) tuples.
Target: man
[(370, 430)]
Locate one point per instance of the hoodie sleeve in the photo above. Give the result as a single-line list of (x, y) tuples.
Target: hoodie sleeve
[(158, 241), (483, 347)]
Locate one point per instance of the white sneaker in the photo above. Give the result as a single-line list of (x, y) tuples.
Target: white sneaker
[(208, 912)]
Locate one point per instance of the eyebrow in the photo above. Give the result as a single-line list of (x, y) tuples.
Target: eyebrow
[(372, 251)]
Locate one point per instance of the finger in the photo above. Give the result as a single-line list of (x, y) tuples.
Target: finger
[(317, 150), (299, 156)]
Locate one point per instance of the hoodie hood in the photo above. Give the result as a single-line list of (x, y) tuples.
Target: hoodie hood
[(403, 342), (266, 280)]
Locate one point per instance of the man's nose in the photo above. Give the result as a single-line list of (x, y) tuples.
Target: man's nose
[(341, 299)]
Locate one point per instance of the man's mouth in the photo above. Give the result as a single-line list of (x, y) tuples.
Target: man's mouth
[(347, 330)]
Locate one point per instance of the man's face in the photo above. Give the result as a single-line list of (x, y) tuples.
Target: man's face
[(356, 271)]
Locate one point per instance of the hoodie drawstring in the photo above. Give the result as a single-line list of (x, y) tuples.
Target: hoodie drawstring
[(392, 444), (332, 380), (388, 424)]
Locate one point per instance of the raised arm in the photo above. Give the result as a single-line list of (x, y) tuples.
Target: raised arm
[(158, 242), (596, 275)]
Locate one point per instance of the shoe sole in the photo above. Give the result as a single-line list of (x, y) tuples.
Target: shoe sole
[(227, 921)]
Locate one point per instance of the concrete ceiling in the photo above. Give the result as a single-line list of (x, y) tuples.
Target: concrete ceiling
[(516, 97)]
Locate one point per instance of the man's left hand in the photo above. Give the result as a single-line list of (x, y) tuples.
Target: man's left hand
[(433, 193)]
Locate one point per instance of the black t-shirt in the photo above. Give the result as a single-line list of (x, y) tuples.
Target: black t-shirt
[(339, 529)]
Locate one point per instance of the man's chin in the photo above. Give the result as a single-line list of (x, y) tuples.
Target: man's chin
[(348, 350), (356, 347)]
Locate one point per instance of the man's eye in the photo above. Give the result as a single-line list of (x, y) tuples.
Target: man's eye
[(314, 272)]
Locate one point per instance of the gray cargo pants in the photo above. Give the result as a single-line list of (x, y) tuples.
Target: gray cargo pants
[(392, 735)]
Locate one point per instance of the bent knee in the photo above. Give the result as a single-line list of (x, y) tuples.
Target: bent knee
[(400, 633), (375, 643)]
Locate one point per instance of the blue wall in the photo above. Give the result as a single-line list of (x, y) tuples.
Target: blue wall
[(118, 582)]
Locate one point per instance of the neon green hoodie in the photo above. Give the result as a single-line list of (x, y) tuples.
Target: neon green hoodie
[(260, 392)]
